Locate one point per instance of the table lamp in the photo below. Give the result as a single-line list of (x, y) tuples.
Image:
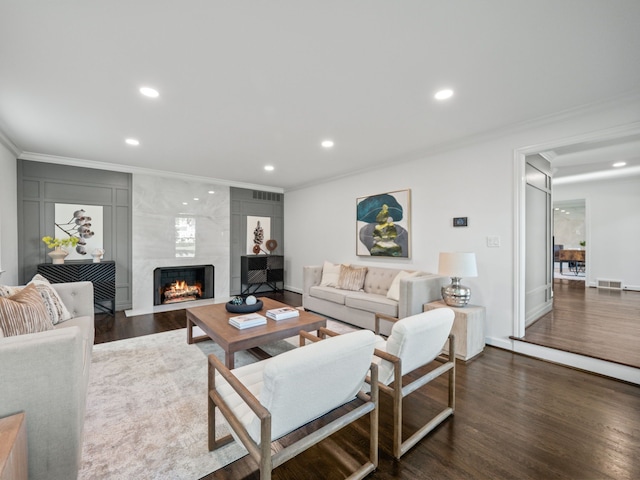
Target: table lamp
[(457, 265)]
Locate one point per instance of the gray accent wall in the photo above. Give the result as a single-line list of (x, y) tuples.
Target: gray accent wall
[(246, 202), (42, 185)]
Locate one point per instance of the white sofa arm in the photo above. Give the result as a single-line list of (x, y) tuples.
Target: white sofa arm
[(311, 276), (42, 375), (77, 297), (416, 291)]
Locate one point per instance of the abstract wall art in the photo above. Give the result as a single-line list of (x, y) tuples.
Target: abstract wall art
[(383, 224)]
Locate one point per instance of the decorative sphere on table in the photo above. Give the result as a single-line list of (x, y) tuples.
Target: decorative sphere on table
[(251, 300), (237, 301)]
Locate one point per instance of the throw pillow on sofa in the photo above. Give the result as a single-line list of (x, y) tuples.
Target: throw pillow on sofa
[(52, 301), (24, 313), (7, 291), (56, 309), (330, 275), (394, 289), (352, 278)]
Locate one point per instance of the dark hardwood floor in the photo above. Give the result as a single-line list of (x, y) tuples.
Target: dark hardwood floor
[(595, 322), (119, 326), (516, 418)]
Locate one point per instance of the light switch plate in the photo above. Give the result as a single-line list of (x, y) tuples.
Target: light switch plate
[(493, 241)]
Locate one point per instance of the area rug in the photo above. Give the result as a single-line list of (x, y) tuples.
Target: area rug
[(147, 408)]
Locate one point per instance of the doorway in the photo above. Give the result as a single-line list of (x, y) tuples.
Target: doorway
[(589, 171), (569, 240)]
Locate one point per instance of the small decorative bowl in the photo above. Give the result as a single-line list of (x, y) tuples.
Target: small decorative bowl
[(244, 308)]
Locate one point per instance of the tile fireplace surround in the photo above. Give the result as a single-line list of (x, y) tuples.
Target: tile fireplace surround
[(157, 202)]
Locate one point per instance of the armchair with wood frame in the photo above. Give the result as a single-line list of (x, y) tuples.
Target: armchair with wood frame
[(264, 401), (414, 342)]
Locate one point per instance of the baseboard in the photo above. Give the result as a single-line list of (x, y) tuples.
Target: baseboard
[(504, 343), (293, 289), (579, 362)]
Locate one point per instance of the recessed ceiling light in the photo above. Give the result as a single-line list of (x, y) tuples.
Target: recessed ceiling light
[(619, 164), (149, 92), (327, 143), (196, 198), (269, 168), (132, 141), (211, 192), (185, 203), (443, 94)]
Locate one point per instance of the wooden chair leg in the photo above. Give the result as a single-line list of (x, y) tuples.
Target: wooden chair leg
[(397, 411), (211, 409), (452, 373), (374, 417)]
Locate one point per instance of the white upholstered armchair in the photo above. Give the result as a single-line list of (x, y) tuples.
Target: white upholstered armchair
[(266, 400), (414, 342)]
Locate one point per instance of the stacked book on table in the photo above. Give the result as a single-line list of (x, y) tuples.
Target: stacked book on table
[(248, 320), (282, 313)]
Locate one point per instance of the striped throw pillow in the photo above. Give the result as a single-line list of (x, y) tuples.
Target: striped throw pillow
[(351, 278), (57, 311), (24, 313)]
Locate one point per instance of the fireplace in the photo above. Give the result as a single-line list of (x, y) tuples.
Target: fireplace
[(182, 284)]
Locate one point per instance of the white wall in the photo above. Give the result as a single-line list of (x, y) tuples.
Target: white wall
[(476, 180), (8, 217), (613, 227)]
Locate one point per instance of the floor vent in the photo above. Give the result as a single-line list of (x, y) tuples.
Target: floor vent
[(612, 284)]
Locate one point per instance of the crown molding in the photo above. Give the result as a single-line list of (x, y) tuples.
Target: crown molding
[(114, 167), (6, 141)]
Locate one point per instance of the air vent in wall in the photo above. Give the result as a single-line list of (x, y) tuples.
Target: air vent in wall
[(271, 196), (612, 284)]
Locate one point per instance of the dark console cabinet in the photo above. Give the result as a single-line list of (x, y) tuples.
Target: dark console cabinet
[(102, 275), (258, 270)]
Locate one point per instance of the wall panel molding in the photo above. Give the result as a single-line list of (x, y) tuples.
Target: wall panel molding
[(42, 185)]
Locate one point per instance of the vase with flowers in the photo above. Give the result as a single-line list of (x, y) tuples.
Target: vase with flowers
[(59, 253)]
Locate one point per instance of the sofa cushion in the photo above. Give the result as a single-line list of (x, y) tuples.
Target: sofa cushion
[(394, 289), (330, 274), (352, 278), (379, 280), (328, 293), (24, 313), (370, 302), (417, 340), (52, 301), (340, 362)]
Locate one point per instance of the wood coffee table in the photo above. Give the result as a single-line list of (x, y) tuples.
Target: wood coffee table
[(214, 321)]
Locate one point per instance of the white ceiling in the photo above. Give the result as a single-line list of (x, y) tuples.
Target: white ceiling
[(248, 83)]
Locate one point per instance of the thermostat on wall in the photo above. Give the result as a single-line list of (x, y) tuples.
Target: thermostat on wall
[(460, 221)]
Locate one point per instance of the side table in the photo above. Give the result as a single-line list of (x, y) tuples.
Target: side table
[(13, 447), (468, 328)]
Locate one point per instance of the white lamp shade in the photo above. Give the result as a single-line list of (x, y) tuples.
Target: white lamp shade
[(458, 264)]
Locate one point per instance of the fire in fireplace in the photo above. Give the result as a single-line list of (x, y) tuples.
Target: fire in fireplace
[(182, 284), (180, 291)]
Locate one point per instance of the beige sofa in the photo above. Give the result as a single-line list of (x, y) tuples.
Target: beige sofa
[(359, 307), (46, 375)]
